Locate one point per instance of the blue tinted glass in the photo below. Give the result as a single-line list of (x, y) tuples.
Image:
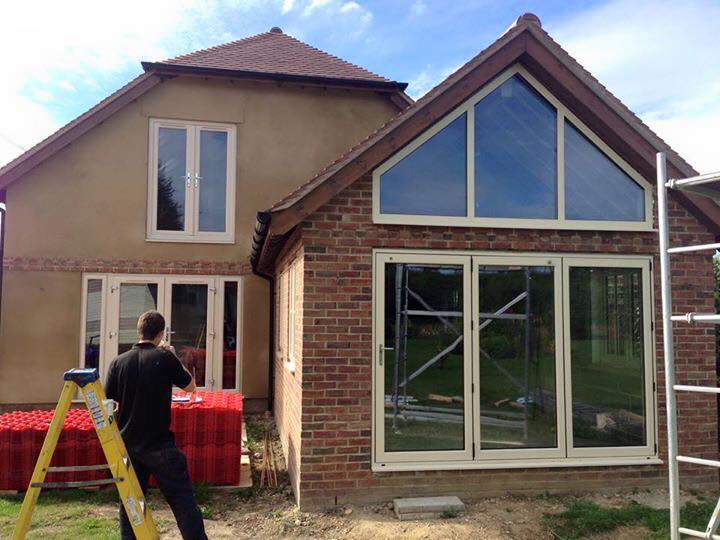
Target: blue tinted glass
[(431, 181), (515, 153), (596, 188)]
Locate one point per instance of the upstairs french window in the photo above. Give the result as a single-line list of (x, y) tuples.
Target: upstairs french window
[(511, 156), (191, 188)]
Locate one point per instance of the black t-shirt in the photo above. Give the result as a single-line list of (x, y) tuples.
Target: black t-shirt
[(141, 380)]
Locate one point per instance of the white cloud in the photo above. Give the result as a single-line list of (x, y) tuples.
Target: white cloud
[(287, 6), (347, 19), (418, 8), (659, 57), (428, 78)]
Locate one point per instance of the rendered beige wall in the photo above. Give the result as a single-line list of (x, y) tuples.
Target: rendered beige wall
[(89, 202), (39, 336)]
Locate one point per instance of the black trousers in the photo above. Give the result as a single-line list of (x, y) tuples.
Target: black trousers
[(169, 467)]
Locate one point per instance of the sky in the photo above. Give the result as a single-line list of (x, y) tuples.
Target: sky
[(661, 58)]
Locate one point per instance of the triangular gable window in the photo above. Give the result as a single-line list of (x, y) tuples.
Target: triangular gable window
[(515, 153), (595, 187), (432, 179), (511, 156)]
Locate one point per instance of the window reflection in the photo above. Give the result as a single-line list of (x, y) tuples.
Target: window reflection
[(595, 187), (606, 332), (171, 179), (431, 181), (515, 153)]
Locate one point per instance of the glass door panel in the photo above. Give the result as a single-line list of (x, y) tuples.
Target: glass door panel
[(229, 369), (213, 181), (171, 178), (608, 328), (135, 299), (519, 365), (424, 363), (130, 297), (189, 320)]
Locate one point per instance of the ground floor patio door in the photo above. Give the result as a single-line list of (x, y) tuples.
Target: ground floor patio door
[(202, 317), (512, 358), (424, 358)]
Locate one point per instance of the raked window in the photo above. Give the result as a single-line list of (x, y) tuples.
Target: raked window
[(191, 187), (485, 360), (511, 156)]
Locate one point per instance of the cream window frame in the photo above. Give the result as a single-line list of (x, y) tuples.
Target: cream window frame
[(648, 351), (523, 458), (291, 315), (469, 220), (379, 452), (191, 232), (86, 278), (527, 453), (109, 322)]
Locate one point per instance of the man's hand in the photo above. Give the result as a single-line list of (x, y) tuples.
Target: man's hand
[(167, 347)]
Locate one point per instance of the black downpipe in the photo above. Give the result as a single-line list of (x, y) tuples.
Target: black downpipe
[(261, 229)]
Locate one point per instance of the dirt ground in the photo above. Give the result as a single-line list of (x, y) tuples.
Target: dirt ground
[(275, 516)]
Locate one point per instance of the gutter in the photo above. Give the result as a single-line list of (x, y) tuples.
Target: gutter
[(177, 69), (262, 226)]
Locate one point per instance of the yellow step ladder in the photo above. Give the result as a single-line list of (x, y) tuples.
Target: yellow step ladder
[(118, 462)]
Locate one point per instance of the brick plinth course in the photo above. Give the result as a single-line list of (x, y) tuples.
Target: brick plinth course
[(325, 406)]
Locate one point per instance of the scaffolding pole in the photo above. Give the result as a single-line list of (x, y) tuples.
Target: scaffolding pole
[(701, 186)]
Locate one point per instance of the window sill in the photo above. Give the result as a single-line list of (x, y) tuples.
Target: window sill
[(512, 223), (517, 464), (191, 239)]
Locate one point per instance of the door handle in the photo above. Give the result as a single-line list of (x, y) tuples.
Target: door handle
[(381, 353)]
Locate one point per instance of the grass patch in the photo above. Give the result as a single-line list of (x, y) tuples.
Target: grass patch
[(64, 514), (583, 519)]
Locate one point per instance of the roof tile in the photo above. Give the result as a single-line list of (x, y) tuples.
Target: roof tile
[(274, 52)]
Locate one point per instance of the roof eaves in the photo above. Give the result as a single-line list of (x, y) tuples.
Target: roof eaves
[(356, 83)]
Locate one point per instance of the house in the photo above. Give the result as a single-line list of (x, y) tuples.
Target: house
[(462, 301), (148, 200), (466, 300)]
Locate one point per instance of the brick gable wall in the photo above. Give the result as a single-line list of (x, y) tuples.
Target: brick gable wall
[(336, 412)]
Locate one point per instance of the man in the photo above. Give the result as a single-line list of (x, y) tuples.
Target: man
[(141, 381)]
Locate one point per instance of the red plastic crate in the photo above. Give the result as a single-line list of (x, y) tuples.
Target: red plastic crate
[(209, 432)]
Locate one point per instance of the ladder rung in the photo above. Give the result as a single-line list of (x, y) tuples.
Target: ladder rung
[(79, 468), (84, 483), (701, 247), (684, 183), (699, 461), (701, 389), (696, 534), (697, 317)]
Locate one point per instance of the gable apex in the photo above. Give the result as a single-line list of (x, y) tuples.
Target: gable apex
[(524, 43)]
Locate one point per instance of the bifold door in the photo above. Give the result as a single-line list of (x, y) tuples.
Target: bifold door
[(423, 397), (502, 357)]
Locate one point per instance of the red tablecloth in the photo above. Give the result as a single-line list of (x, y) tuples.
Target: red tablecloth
[(209, 432)]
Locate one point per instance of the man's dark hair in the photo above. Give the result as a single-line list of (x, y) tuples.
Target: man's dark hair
[(150, 324)]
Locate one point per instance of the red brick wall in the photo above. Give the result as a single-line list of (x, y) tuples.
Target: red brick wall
[(288, 385), (129, 266), (337, 354)]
